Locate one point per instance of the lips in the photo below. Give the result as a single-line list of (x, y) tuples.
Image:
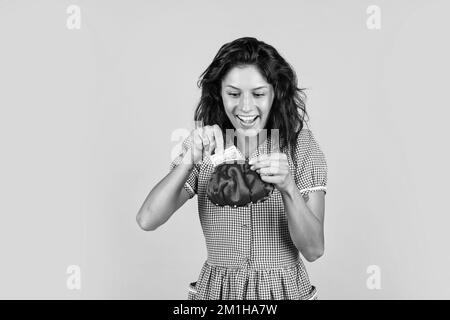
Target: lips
[(247, 119)]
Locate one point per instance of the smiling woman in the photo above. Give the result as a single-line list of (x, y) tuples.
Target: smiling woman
[(246, 105), (251, 77), (253, 250)]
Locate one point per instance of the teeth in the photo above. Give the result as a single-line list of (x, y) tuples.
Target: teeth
[(248, 119)]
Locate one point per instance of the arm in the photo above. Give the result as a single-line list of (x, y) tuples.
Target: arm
[(305, 221), (169, 194), (165, 198)]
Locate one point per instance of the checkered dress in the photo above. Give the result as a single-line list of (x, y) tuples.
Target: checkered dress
[(250, 254)]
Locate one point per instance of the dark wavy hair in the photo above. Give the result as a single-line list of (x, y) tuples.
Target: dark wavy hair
[(288, 112)]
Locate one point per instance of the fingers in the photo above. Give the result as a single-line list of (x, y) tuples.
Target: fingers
[(261, 157), (272, 179), (198, 139), (271, 156), (270, 171), (267, 171), (274, 170), (269, 160), (261, 164), (218, 137), (209, 139)]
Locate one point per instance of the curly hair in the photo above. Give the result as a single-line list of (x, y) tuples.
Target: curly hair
[(288, 111)]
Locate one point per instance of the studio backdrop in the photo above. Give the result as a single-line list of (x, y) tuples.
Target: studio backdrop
[(95, 97)]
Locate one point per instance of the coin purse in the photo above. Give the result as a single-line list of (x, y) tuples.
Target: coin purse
[(234, 184)]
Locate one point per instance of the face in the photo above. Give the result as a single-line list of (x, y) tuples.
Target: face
[(247, 98)]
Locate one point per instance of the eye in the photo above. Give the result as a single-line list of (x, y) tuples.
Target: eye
[(259, 94), (233, 94)]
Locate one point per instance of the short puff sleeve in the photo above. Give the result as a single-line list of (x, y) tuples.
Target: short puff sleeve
[(310, 173), (191, 184)]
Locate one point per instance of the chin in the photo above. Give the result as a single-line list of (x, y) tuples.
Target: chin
[(250, 132)]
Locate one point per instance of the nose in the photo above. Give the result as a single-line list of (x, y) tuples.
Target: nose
[(247, 103)]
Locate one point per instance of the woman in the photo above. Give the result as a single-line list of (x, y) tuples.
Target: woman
[(253, 251)]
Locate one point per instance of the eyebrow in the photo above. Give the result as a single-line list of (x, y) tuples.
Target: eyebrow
[(261, 87)]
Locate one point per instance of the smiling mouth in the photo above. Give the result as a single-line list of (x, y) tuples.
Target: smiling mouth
[(247, 119)]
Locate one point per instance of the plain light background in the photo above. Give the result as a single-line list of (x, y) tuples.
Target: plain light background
[(87, 117)]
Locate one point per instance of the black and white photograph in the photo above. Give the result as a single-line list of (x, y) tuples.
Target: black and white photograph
[(224, 150)]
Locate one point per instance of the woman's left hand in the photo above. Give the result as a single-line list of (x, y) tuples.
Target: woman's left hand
[(274, 168)]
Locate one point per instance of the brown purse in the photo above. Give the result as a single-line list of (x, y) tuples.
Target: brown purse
[(235, 184)]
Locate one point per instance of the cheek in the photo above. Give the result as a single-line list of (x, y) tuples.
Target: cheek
[(265, 107), (228, 105)]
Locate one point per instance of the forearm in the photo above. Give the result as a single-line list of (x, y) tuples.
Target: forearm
[(305, 228), (165, 198)]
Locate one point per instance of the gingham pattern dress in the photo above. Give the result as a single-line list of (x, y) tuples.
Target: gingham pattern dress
[(250, 254)]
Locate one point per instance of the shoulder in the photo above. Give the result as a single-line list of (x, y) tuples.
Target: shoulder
[(306, 146), (305, 141), (305, 135)]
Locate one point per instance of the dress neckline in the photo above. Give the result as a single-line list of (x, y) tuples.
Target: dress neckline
[(262, 148)]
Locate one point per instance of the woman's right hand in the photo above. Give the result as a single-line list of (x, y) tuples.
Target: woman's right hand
[(207, 140), (169, 195)]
